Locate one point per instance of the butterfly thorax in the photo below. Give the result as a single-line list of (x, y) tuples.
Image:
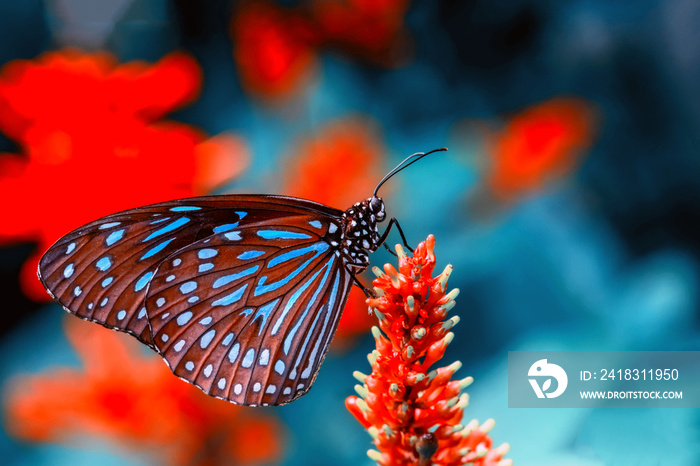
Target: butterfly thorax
[(359, 234)]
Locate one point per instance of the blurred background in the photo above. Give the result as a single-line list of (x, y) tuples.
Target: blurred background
[(568, 202)]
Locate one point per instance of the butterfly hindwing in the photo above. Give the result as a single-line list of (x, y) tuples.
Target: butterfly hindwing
[(309, 333), (248, 315)]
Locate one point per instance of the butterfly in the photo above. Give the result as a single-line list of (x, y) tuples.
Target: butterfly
[(240, 294)]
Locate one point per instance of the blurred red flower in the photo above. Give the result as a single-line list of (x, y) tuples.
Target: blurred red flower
[(275, 47), (539, 144), (133, 400), (339, 167), (370, 29), (93, 144)]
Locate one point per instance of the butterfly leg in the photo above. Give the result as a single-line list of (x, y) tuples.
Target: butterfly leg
[(364, 289), (389, 249), (384, 236)]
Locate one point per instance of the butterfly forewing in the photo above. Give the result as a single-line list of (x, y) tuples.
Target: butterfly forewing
[(240, 294), (102, 271)]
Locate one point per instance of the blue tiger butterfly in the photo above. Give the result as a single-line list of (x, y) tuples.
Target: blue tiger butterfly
[(240, 294)]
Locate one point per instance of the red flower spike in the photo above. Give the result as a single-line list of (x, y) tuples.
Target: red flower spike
[(413, 412)]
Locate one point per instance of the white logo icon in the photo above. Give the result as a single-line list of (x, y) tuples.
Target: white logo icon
[(542, 368)]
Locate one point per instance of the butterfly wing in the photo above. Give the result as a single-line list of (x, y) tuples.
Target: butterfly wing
[(102, 271), (248, 315)]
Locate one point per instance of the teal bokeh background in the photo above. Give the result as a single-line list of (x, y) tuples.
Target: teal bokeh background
[(604, 257)]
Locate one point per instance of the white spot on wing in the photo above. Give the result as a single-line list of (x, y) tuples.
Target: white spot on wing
[(183, 318), (188, 287), (207, 253), (233, 354), (264, 357), (206, 266), (207, 338), (249, 358)]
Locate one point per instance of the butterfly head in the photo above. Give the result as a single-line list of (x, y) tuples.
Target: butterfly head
[(376, 207)]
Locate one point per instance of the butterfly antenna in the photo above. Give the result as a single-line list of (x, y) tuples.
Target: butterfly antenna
[(411, 159)]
